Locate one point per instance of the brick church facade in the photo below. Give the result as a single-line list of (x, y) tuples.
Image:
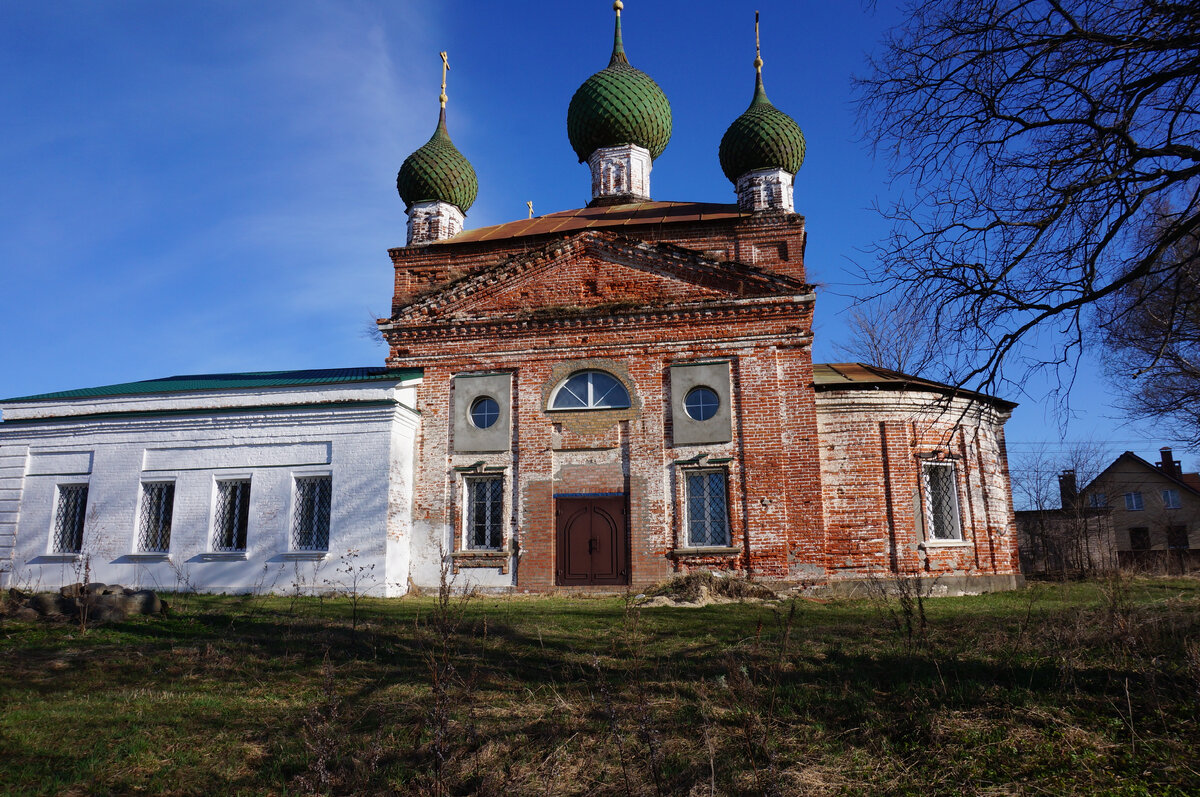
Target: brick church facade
[(595, 399)]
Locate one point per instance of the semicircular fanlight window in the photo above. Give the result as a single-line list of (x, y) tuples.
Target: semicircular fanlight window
[(590, 390)]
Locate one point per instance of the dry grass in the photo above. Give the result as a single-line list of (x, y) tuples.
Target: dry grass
[(1061, 689)]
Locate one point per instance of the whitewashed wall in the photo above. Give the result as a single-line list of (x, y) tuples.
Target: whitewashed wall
[(361, 434)]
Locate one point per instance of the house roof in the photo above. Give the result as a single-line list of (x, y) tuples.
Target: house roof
[(635, 213), (860, 376), (1188, 481), (182, 384)]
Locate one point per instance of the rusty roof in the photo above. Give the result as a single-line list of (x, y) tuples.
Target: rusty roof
[(860, 376), (633, 214)]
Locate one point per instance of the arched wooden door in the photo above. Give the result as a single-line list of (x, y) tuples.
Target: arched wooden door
[(592, 541)]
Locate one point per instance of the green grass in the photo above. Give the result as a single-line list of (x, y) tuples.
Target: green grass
[(1083, 688)]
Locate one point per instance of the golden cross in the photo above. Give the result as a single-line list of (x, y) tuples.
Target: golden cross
[(445, 68), (757, 48)]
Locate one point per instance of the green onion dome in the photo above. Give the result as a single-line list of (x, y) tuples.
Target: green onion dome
[(763, 137), (438, 171), (619, 105)]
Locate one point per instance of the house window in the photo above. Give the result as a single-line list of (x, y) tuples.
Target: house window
[(154, 521), (1098, 500), (941, 501), (590, 390), (310, 517), (707, 508), (1133, 502), (485, 513), (232, 516), (1177, 538), (1171, 499), (1139, 539), (701, 403), (485, 411), (69, 514)]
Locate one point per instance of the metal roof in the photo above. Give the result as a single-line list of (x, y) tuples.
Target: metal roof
[(860, 376), (634, 213), (182, 384)]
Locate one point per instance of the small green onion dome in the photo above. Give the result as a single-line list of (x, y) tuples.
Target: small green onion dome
[(763, 137), (438, 171), (619, 105)]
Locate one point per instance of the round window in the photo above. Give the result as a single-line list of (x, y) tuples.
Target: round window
[(701, 403), (484, 412)]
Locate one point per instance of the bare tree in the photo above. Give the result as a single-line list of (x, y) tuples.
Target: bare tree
[(1033, 141), (892, 335), (1060, 533), (1152, 330)]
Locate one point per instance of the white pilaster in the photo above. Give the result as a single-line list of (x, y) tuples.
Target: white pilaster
[(621, 172), (766, 189), (433, 221)]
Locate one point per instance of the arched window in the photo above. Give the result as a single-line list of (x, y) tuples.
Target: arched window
[(590, 390)]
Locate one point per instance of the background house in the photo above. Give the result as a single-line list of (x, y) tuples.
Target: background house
[(1155, 511)]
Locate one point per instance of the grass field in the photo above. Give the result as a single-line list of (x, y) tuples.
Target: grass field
[(1088, 688)]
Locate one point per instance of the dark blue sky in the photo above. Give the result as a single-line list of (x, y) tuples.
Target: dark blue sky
[(210, 186)]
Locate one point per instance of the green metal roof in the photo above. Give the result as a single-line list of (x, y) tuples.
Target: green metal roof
[(619, 105), (438, 171), (252, 379), (763, 137)]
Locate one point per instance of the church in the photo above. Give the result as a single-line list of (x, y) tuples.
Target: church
[(595, 399)]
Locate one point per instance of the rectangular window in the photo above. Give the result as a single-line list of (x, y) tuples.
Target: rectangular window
[(1171, 499), (232, 516), (941, 501), (1133, 502), (154, 522), (707, 508), (310, 520), (1177, 538), (69, 514), (1098, 500), (485, 513), (1139, 539)]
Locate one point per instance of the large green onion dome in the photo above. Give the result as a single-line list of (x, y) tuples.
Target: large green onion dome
[(438, 171), (763, 137), (619, 105)]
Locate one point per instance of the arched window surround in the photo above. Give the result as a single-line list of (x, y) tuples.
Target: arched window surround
[(589, 390)]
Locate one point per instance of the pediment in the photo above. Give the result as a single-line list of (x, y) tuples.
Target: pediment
[(596, 272)]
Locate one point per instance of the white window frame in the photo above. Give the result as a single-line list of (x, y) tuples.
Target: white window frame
[(931, 524), (296, 478), (685, 474), (1134, 501), (591, 398), (143, 495), (214, 513), (52, 546), (1171, 499), (468, 487)]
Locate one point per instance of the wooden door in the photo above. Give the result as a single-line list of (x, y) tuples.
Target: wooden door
[(592, 541)]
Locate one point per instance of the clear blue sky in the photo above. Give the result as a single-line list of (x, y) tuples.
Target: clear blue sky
[(192, 187)]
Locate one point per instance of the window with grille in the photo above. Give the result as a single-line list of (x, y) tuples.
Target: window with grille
[(1133, 502), (707, 508), (941, 501), (69, 514), (310, 521), (1139, 539), (232, 516), (485, 512), (1177, 538), (154, 521), (1171, 499)]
